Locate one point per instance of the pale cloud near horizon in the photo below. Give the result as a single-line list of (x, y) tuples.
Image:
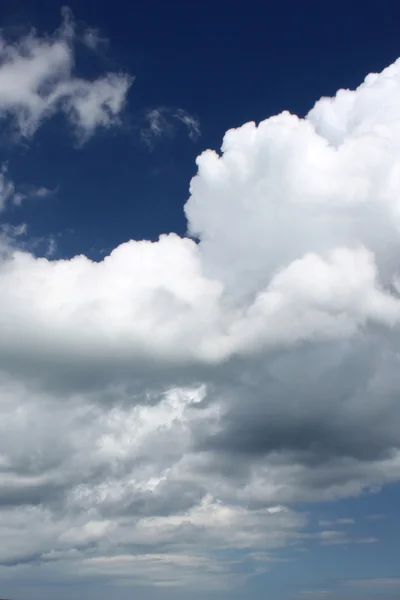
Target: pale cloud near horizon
[(382, 582), (384, 585), (324, 523), (163, 409)]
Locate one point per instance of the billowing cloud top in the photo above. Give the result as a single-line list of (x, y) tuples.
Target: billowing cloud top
[(178, 397)]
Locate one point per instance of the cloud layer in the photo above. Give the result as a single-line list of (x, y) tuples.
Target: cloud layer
[(162, 411)]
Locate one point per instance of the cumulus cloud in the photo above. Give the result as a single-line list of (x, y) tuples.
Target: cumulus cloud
[(195, 388), (37, 79)]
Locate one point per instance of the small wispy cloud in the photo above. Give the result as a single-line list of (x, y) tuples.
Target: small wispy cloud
[(15, 237), (375, 517), (93, 39), (11, 237), (324, 523), (43, 192), (13, 194), (315, 594), (383, 582), (268, 558), (330, 537), (163, 122), (192, 124), (27, 192)]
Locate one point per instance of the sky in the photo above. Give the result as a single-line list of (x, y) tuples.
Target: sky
[(199, 300)]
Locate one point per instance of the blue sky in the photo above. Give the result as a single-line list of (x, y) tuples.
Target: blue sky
[(214, 412)]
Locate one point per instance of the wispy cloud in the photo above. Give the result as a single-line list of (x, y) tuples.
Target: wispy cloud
[(330, 537), (375, 517), (324, 523), (15, 194), (381, 583), (315, 594), (192, 124), (163, 122), (27, 192), (94, 40)]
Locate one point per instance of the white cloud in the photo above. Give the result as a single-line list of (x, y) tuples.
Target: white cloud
[(42, 192), (164, 407), (37, 79)]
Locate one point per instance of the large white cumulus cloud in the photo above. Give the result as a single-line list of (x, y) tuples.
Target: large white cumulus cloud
[(176, 398), (298, 238)]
